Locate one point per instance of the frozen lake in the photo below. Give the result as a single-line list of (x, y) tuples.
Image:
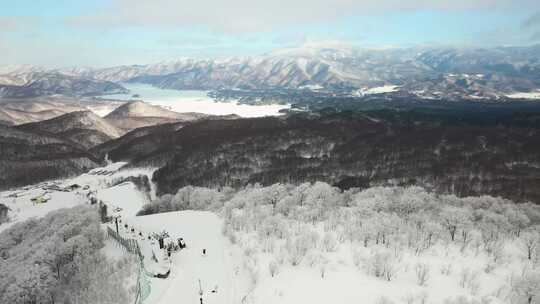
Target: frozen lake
[(194, 101)]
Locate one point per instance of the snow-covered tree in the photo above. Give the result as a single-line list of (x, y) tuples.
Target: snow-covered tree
[(321, 197), (323, 263), (55, 259), (367, 231), (454, 218), (468, 279), (492, 224), (273, 267), (329, 242), (299, 246), (382, 264), (273, 194), (517, 218), (531, 240)]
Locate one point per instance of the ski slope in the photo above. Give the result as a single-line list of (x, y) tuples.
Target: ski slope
[(123, 197), (200, 230)]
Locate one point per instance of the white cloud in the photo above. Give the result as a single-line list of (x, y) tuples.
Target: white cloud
[(257, 15), (12, 23), (7, 22)]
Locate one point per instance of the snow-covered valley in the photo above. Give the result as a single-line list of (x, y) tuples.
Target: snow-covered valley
[(310, 243)]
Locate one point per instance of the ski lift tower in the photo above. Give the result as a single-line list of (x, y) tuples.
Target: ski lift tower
[(200, 291)]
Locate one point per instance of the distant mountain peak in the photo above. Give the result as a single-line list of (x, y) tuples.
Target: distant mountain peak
[(137, 114), (82, 127), (334, 66), (138, 108)]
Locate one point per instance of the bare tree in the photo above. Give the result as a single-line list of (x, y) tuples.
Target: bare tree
[(323, 265), (273, 267), (468, 279), (422, 274)]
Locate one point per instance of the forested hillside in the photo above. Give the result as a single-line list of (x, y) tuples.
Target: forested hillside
[(343, 149), (379, 245), (27, 158), (57, 259)]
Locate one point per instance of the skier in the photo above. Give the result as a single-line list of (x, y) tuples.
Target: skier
[(204, 252), (170, 248), (181, 243)]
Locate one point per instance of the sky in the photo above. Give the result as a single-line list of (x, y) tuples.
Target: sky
[(62, 33)]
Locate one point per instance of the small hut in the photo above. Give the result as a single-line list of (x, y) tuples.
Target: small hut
[(72, 187)]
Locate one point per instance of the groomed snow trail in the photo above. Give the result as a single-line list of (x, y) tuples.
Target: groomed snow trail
[(200, 230)]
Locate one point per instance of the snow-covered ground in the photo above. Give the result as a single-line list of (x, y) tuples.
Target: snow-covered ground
[(383, 89), (312, 87), (22, 208), (123, 197), (327, 251), (377, 90), (344, 282), (525, 95), (218, 268), (97, 182), (195, 101), (104, 109)]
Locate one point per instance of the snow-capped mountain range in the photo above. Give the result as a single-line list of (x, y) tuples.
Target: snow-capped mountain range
[(434, 73)]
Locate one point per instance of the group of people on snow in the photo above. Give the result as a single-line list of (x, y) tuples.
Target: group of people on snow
[(173, 247)]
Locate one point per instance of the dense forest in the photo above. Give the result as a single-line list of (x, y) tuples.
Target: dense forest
[(346, 149), (58, 259), (27, 158)]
